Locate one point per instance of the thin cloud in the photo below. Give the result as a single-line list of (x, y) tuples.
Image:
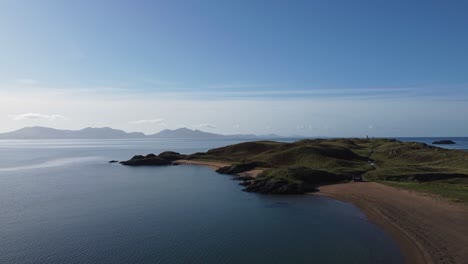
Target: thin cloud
[(159, 121), (35, 116), (207, 125)]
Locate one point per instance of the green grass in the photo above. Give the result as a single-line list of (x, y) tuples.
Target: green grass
[(410, 165), (455, 189), (403, 161), (328, 155)]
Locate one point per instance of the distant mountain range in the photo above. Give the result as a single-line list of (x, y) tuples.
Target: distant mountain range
[(110, 133)]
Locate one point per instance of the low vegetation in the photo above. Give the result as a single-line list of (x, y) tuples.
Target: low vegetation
[(303, 165), (456, 189)]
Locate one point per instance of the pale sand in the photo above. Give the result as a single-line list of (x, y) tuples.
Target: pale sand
[(428, 229), (212, 164)]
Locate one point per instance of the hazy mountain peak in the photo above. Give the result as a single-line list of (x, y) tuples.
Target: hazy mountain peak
[(37, 132)]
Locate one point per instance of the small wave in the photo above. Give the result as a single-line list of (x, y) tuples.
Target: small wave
[(53, 163)]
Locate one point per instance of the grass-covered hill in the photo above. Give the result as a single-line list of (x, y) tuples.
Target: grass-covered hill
[(417, 161), (302, 165)]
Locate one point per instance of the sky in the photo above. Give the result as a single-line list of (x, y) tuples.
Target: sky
[(311, 68)]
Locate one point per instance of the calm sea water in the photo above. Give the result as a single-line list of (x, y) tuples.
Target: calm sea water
[(461, 142), (61, 202)]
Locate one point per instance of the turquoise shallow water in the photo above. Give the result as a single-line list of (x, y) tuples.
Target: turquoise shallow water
[(61, 202)]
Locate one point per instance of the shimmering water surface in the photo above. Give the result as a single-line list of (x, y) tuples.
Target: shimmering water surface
[(61, 202)]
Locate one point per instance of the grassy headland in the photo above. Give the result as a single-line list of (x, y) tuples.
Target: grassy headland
[(428, 231), (303, 165)]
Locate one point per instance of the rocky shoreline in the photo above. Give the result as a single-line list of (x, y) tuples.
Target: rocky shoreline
[(302, 166), (263, 182), (318, 165)]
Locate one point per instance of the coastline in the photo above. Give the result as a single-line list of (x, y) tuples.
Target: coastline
[(427, 229), (218, 164), (212, 164), (412, 251)]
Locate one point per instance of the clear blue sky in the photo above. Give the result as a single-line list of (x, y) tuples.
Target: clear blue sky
[(266, 51)]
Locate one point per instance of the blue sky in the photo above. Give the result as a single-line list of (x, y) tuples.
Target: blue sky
[(393, 68)]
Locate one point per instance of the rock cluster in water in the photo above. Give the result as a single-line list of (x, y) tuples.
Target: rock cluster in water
[(443, 142)]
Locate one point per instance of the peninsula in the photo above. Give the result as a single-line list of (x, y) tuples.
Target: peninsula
[(418, 193), (302, 166)]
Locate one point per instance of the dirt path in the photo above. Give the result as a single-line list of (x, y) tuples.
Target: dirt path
[(428, 229)]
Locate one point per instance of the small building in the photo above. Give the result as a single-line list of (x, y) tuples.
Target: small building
[(357, 178)]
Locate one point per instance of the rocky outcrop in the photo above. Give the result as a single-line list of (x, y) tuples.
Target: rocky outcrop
[(165, 158), (171, 155), (149, 160), (269, 185), (443, 142), (294, 180), (265, 185)]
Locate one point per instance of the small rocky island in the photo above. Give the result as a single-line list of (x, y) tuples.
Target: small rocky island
[(443, 142), (302, 166)]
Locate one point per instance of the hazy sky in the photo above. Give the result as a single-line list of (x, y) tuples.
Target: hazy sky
[(316, 68)]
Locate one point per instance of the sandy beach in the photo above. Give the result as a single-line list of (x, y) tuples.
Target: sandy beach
[(212, 164), (428, 229)]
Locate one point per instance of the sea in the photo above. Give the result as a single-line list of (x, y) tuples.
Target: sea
[(62, 202), (461, 143)]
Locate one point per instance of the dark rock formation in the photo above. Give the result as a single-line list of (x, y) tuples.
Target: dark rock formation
[(171, 155), (443, 142), (113, 161), (165, 158), (146, 162), (294, 180), (264, 185)]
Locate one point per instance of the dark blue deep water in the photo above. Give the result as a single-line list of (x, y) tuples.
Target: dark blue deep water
[(61, 202)]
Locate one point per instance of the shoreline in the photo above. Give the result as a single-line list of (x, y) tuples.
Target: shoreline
[(218, 164), (411, 250), (426, 229), (212, 164)]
